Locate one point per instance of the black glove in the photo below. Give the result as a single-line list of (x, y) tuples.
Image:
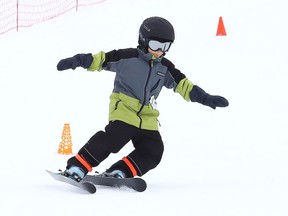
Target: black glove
[(199, 95), (214, 101), (79, 60)]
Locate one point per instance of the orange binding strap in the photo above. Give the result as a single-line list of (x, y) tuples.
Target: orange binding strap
[(84, 162), (130, 165)]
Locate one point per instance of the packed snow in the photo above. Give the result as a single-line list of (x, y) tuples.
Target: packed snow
[(225, 162)]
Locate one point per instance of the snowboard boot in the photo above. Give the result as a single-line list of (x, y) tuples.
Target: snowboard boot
[(114, 174), (74, 173)]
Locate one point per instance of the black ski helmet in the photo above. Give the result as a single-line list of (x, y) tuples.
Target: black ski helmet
[(155, 28)]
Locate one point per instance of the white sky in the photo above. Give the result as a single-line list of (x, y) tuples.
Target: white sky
[(224, 162)]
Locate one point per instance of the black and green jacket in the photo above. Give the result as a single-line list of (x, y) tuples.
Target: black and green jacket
[(139, 77)]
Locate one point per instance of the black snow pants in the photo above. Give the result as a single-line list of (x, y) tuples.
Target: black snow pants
[(147, 153)]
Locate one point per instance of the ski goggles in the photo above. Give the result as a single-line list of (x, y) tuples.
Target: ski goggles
[(156, 45)]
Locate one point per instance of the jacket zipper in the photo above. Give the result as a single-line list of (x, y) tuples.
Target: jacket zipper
[(155, 86), (116, 104), (148, 77)]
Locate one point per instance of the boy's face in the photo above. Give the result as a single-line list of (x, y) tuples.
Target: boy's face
[(156, 54)]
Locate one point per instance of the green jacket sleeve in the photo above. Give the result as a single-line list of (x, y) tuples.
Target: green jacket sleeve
[(183, 88), (98, 60)]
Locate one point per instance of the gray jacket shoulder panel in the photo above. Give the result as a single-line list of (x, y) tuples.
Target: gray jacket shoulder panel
[(140, 76)]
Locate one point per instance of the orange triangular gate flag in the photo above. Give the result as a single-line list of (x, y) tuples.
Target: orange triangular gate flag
[(221, 29)]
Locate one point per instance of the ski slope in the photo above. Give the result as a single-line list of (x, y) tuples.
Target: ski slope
[(223, 162)]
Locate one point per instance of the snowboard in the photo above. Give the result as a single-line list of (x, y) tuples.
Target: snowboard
[(84, 185), (137, 184)]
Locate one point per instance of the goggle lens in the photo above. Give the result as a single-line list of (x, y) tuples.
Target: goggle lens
[(156, 45)]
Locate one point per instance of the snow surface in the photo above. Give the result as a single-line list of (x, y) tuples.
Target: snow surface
[(225, 162)]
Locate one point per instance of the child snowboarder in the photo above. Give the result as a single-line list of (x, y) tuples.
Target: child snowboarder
[(140, 75)]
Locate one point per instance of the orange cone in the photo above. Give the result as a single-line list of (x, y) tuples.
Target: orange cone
[(221, 29), (65, 146)]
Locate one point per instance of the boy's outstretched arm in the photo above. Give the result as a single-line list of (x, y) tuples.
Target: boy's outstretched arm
[(199, 95), (79, 60)]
